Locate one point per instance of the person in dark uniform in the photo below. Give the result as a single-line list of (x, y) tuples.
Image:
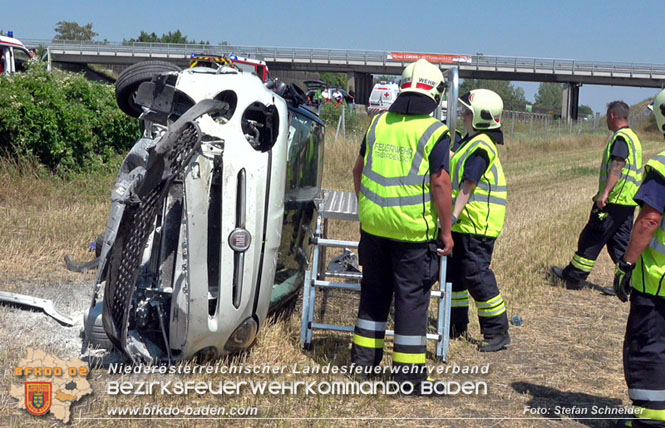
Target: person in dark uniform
[(403, 187), (611, 218), (640, 274)]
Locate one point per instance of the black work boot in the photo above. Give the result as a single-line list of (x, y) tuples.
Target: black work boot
[(494, 342), (571, 284)]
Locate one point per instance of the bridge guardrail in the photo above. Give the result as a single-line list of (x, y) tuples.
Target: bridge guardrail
[(342, 56)]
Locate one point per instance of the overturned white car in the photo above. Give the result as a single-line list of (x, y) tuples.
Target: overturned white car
[(211, 215)]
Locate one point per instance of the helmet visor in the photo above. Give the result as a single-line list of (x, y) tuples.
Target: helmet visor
[(462, 109), (464, 104), (651, 107)]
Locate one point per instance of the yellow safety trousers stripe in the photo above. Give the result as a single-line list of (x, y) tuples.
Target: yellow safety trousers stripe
[(460, 299), (459, 303), (491, 308), (585, 265), (401, 357), (491, 302), (368, 342), (492, 312)]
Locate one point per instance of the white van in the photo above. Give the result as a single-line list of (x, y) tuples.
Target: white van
[(382, 96)]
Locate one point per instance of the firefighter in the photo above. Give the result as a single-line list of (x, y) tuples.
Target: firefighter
[(402, 183), (611, 218), (642, 270), (479, 195)]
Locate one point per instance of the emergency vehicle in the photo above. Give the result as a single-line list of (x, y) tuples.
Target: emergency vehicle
[(12, 54), (382, 96)]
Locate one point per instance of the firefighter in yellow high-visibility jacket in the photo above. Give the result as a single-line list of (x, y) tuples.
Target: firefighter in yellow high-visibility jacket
[(479, 197), (403, 187), (640, 274)]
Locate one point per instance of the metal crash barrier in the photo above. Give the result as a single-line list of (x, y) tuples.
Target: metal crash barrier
[(344, 206)]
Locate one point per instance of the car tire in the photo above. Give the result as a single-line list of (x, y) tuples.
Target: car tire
[(131, 78)]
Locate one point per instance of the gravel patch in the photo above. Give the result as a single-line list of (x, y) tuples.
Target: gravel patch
[(25, 327)]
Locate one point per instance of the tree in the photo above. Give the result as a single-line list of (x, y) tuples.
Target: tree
[(170, 37), (335, 79), (549, 96), (66, 30), (385, 78), (512, 96), (585, 110)]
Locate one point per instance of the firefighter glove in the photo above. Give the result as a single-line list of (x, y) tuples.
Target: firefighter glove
[(622, 274)]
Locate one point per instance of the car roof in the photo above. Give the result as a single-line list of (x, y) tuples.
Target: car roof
[(306, 112), (320, 84), (12, 42), (315, 84)]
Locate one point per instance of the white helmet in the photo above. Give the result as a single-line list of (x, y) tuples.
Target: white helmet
[(658, 108), (423, 78), (486, 107)]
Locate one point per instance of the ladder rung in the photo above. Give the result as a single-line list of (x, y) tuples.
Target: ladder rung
[(335, 243), (348, 329), (344, 328), (356, 287), (430, 336), (437, 293), (342, 285), (352, 275)]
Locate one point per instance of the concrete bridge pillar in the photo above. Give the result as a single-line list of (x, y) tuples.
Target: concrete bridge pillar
[(362, 84), (570, 101)]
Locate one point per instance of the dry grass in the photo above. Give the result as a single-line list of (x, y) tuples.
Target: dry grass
[(43, 218), (567, 353)]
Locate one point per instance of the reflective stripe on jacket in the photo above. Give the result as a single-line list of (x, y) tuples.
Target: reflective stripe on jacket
[(395, 200)]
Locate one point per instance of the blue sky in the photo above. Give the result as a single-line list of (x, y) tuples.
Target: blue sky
[(607, 30)]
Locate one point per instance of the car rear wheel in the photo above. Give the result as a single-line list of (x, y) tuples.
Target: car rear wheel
[(131, 78)]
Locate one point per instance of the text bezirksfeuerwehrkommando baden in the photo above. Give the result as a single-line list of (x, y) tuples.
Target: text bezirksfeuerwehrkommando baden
[(289, 387), (259, 387)]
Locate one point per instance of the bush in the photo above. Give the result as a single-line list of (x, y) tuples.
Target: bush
[(330, 113), (61, 119)]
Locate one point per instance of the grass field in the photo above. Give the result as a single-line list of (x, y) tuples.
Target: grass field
[(567, 353)]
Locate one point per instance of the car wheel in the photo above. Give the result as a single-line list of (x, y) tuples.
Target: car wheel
[(129, 80)]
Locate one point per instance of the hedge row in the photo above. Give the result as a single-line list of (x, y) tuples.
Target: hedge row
[(61, 119)]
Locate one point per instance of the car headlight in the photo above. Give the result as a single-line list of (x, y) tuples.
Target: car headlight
[(242, 337)]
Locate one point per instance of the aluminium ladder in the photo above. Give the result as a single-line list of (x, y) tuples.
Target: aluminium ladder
[(344, 206)]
